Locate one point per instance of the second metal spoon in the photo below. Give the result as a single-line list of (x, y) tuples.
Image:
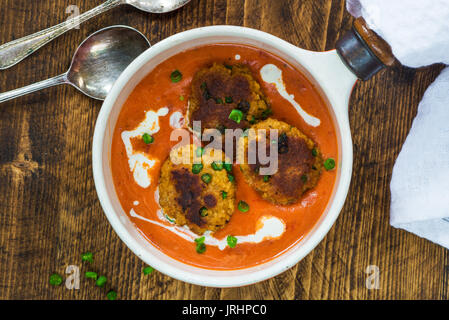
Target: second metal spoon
[(97, 63), (17, 50)]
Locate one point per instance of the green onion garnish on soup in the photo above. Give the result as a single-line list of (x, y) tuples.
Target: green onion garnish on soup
[(147, 138), (203, 212), (232, 241), (176, 76), (197, 167), (199, 151), (206, 178), (236, 115), (243, 206), (200, 245), (228, 167), (329, 164), (217, 166)]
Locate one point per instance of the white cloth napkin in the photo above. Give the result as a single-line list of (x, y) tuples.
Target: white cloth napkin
[(418, 32)]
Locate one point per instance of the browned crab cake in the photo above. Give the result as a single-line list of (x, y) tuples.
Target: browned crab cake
[(218, 90), (197, 193), (299, 163)]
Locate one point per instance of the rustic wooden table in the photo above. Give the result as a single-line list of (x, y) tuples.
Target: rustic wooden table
[(50, 214)]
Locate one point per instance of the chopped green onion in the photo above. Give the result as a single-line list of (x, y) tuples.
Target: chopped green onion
[(227, 66), (219, 101), (55, 279), (243, 206), (181, 98), (200, 248), (91, 275), (266, 178), (112, 295), (176, 76), (314, 152), (304, 178), (148, 270), (228, 167), (329, 164), (199, 151), (197, 167), (217, 166), (101, 281), (206, 178), (231, 177), (169, 219), (228, 99), (236, 115), (266, 113), (87, 256), (232, 241), (253, 120), (200, 245), (203, 212), (147, 138), (200, 239), (224, 194)]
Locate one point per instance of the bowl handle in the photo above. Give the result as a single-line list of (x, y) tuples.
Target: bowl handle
[(363, 51)]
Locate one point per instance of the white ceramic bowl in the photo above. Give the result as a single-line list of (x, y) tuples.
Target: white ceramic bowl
[(324, 69)]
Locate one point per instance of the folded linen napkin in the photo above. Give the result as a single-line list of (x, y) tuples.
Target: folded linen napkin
[(418, 33)]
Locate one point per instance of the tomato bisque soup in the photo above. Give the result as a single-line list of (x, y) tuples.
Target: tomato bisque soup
[(141, 143)]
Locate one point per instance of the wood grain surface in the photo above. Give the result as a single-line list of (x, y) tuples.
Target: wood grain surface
[(50, 214)]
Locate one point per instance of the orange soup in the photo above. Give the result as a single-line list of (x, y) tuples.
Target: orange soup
[(167, 100)]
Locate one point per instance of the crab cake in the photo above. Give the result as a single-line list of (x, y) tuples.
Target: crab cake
[(220, 89), (299, 163), (196, 190)]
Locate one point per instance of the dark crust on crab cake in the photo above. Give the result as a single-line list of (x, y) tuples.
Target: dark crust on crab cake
[(183, 195), (219, 89), (299, 164)]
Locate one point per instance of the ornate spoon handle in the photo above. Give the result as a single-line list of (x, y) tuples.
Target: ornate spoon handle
[(17, 50)]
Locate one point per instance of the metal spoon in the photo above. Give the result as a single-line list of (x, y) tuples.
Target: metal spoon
[(97, 63), (17, 50)]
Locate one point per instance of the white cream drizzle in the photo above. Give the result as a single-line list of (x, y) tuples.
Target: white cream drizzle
[(177, 120), (139, 163), (273, 75), (270, 228)]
